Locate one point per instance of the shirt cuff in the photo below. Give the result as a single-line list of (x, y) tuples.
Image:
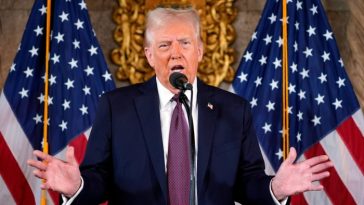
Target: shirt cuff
[(68, 201), (283, 202)]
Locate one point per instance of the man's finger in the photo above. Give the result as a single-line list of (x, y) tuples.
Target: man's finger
[(39, 174), (321, 167), (42, 155), (319, 176), (316, 160), (37, 164)]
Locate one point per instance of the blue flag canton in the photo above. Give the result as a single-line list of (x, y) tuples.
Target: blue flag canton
[(78, 74), (320, 93)]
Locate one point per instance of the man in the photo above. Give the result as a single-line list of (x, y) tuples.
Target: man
[(127, 156)]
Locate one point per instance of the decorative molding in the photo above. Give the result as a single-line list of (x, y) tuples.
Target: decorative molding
[(217, 33)]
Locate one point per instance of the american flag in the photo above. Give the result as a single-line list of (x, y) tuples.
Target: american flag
[(324, 114), (78, 76)]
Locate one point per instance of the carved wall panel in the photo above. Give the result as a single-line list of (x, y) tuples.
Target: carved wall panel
[(217, 32)]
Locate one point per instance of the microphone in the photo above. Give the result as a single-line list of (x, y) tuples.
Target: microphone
[(179, 81)]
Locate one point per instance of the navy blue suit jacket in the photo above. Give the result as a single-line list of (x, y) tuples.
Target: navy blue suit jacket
[(124, 161)]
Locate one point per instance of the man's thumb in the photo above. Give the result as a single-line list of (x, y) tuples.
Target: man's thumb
[(70, 155), (291, 156)]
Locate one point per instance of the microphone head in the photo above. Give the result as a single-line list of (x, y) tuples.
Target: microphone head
[(179, 81)]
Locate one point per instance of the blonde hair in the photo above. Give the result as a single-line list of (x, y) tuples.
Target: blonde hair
[(159, 16)]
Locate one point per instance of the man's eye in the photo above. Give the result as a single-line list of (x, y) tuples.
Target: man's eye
[(163, 45)]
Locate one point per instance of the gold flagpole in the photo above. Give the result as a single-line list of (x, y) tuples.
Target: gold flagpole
[(285, 105), (45, 119)]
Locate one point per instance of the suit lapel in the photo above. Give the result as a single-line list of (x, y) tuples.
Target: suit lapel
[(147, 106), (207, 113)]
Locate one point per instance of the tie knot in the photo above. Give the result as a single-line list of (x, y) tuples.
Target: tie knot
[(179, 97)]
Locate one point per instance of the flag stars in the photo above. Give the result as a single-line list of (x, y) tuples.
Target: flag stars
[(254, 36), (291, 88), (84, 109), (55, 58), (285, 20), (279, 41), (267, 128), (270, 106), (308, 52), (274, 84), (38, 31), (92, 50), (323, 78), (43, 10), (340, 82), (28, 72), (23, 93), (59, 37), (37, 119), (263, 60), (297, 25), (64, 16), (279, 154), (300, 115), (248, 56), (89, 70), (272, 18), (106, 76), (314, 9), (63, 125), (311, 31), (341, 62), (299, 5), (12, 68), (337, 103), (253, 102), (295, 46), (86, 90), (76, 44), (267, 39), (33, 51), (294, 67), (304, 73), (69, 84), (73, 63), (298, 137), (243, 77), (52, 79), (302, 94), (277, 63), (82, 5), (316, 120), (258, 81), (66, 104), (320, 99), (79, 24), (328, 35), (325, 56)]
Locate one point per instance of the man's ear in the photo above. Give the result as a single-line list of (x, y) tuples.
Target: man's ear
[(149, 56), (200, 51)]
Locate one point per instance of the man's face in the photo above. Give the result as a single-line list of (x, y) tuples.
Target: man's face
[(174, 47)]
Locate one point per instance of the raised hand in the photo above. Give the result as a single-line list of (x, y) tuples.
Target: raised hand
[(60, 176), (300, 177)]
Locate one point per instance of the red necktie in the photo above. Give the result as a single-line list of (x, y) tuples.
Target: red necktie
[(178, 165)]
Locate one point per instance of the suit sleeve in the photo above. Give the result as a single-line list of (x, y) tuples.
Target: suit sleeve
[(252, 184), (96, 169)]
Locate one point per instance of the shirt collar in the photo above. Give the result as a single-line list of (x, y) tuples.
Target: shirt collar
[(166, 95)]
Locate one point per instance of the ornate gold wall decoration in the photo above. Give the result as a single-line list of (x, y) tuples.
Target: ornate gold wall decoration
[(217, 33)]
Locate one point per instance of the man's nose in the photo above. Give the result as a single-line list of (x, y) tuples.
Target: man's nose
[(176, 51)]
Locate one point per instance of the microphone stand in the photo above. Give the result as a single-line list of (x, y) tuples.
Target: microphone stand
[(183, 98)]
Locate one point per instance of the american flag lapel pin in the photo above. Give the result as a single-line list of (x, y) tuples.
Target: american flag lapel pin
[(209, 105)]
